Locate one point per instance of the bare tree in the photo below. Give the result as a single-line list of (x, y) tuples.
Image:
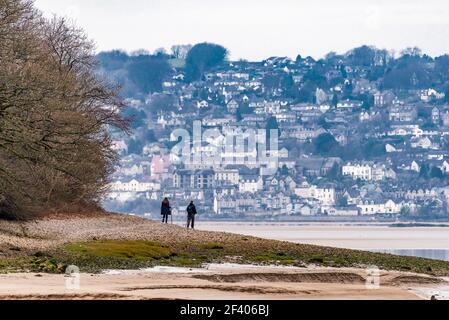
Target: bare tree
[(55, 148), (180, 51)]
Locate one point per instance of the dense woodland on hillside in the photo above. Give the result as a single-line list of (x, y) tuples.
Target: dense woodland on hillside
[(142, 73)]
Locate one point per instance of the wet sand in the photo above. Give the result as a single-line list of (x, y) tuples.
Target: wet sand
[(218, 282)]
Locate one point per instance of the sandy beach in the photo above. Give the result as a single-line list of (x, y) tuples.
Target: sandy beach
[(219, 282), (217, 265)]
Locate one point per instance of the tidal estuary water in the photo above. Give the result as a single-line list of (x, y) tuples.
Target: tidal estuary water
[(426, 242)]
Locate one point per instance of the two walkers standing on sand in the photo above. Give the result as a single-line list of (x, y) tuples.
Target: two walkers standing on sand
[(191, 213)]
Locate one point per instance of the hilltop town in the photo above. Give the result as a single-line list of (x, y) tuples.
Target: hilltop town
[(360, 134)]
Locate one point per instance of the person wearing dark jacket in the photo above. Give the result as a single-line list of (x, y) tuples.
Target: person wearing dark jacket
[(191, 213), (165, 210)]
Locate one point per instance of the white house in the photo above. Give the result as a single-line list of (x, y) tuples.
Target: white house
[(202, 104), (368, 171), (227, 177), (370, 207), (250, 184), (358, 171), (326, 196), (134, 186), (415, 166), (428, 94)]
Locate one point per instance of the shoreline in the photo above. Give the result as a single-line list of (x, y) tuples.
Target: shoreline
[(365, 220), (220, 282), (34, 256)]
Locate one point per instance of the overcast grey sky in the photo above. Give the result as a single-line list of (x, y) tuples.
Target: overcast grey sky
[(257, 29)]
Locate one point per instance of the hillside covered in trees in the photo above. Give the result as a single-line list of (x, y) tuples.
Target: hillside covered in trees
[(142, 73)]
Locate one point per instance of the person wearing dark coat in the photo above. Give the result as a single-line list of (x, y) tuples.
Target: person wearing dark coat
[(191, 213), (165, 210)]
